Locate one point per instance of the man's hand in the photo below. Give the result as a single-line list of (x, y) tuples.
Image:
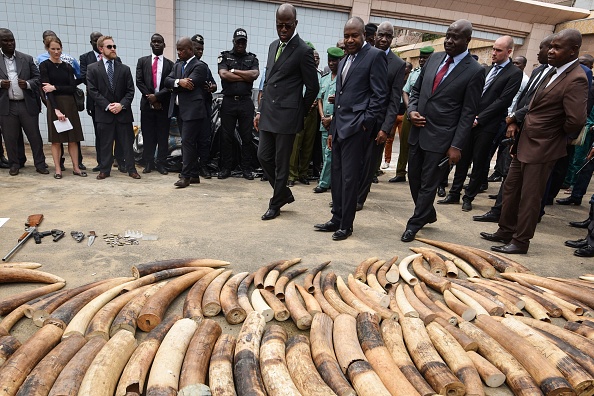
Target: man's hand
[(115, 108), (186, 83), (158, 106), (512, 130), (5, 84), (417, 119), (210, 87), (590, 154), (381, 137), (152, 99), (326, 121), (329, 142), (257, 122), (454, 154), (22, 84)]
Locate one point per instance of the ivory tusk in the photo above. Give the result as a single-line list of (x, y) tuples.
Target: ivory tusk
[(242, 293), (195, 366), (246, 367), (357, 288), (260, 274), (319, 296), (361, 270), (281, 313), (126, 319), (403, 304), (211, 303), (372, 277), (433, 281), (233, 312), (491, 375), (8, 346), (334, 299), (273, 364), (273, 275), (21, 275), (483, 266), (382, 273), (301, 367), (220, 370), (403, 269), (299, 314), (281, 283), (10, 303), (311, 274), (261, 306), (193, 302), (141, 270), (311, 304), (437, 264)]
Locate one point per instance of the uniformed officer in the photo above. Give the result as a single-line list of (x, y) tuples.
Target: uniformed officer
[(238, 70)]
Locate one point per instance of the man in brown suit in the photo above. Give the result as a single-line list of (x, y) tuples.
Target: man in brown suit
[(556, 113)]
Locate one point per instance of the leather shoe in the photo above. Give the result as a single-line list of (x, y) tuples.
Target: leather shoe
[(510, 248), (3, 159), (248, 175), (374, 180), (570, 201), (122, 169), (483, 187), (270, 214), (205, 173), (577, 244), (161, 169), (290, 199), (194, 180), (4, 165), (587, 251), (408, 236), (466, 206), (224, 174), (341, 235), (43, 171), (148, 168), (82, 166), (13, 171), (319, 189), (580, 224), (441, 192), (182, 182), (489, 217), (449, 199), (291, 183), (359, 206), (303, 180), (494, 178), (492, 196), (327, 226), (102, 175), (495, 238), (134, 175), (96, 169), (397, 179)]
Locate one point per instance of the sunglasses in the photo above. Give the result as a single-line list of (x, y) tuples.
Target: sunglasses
[(109, 46), (285, 25)]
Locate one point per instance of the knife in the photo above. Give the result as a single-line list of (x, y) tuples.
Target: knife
[(91, 236)]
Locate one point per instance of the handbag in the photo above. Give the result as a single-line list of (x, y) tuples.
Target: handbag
[(579, 141), (79, 98)]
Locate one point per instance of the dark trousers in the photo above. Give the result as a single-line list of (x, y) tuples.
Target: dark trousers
[(424, 177), (195, 136), (237, 112), (582, 180), (558, 175), (155, 133), (274, 152), (347, 157), (590, 236), (523, 190), (17, 121), (124, 133), (372, 156)]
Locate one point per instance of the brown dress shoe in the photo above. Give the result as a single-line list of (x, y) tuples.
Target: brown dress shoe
[(182, 183), (102, 175), (14, 170), (134, 175)]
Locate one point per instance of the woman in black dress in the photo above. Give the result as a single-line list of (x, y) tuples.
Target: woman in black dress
[(59, 84)]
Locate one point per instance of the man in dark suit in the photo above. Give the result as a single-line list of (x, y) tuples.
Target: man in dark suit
[(151, 72), (283, 104), (111, 87), (501, 85), (557, 113), (188, 104), (387, 118), (20, 103), (442, 108), (361, 97)]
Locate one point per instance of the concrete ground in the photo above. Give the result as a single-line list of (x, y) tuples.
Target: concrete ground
[(221, 219)]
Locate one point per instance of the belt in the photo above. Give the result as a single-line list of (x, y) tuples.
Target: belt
[(237, 97), (15, 100)]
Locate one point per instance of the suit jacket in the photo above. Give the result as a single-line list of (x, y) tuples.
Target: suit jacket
[(526, 96), (85, 60), (395, 82), (556, 113), (284, 105), (498, 97), (451, 109), (361, 99), (26, 70), (192, 105), (146, 86), (102, 95)]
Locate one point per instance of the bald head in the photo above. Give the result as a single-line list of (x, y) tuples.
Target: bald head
[(287, 10), (354, 35), (464, 26), (457, 37), (384, 36), (185, 48), (356, 23), (502, 49), (385, 26)]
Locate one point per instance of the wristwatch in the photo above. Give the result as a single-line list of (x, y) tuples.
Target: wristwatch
[(232, 70)]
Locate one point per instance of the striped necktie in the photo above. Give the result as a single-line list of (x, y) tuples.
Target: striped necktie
[(491, 77), (110, 73), (279, 51)]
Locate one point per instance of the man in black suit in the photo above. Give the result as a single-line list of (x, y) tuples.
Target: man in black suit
[(111, 87), (20, 103), (188, 104), (442, 108), (151, 72), (361, 97), (387, 118), (283, 104), (501, 85)]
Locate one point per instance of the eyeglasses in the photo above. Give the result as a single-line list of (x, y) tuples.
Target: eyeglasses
[(109, 46), (285, 25)]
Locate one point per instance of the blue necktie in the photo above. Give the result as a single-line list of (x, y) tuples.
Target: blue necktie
[(491, 77), (110, 73), (184, 67)]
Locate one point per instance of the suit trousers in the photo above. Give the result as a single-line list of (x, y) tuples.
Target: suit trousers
[(124, 134), (403, 152), (274, 151), (347, 157), (195, 136), (303, 146), (424, 178), (237, 112), (17, 120), (523, 190), (558, 176), (373, 155), (325, 173), (21, 147), (155, 134)]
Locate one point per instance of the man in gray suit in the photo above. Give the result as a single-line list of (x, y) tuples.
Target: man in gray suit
[(442, 107), (283, 104)]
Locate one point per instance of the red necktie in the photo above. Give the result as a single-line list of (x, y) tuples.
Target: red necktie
[(155, 66), (441, 73)]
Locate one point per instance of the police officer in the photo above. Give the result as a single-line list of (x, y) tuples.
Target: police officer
[(238, 69)]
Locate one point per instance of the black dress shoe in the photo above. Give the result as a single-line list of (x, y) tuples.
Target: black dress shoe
[(449, 199), (341, 235), (43, 171), (161, 169), (147, 170), (374, 180), (263, 178), (225, 173), (466, 206), (149, 167), (587, 251), (580, 224), (194, 180), (4, 165), (82, 166), (495, 238), (3, 159), (182, 183), (271, 214), (441, 192), (397, 179), (303, 180), (577, 244), (483, 187), (248, 175), (122, 169), (492, 196), (205, 172), (408, 236), (96, 169), (570, 201), (328, 226), (291, 183), (290, 199), (489, 217), (319, 189), (510, 248), (13, 171), (494, 178), (359, 206)]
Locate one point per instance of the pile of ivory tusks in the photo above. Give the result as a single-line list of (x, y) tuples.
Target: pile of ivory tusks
[(380, 332)]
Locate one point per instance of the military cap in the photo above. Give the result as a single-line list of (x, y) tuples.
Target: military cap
[(198, 39), (239, 34), (335, 52), (428, 50), (310, 44)]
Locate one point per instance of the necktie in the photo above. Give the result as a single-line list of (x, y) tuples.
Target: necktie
[(99, 58), (110, 73), (279, 51), (536, 79), (545, 81), (491, 77), (441, 73), (347, 66), (155, 66), (183, 67)]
